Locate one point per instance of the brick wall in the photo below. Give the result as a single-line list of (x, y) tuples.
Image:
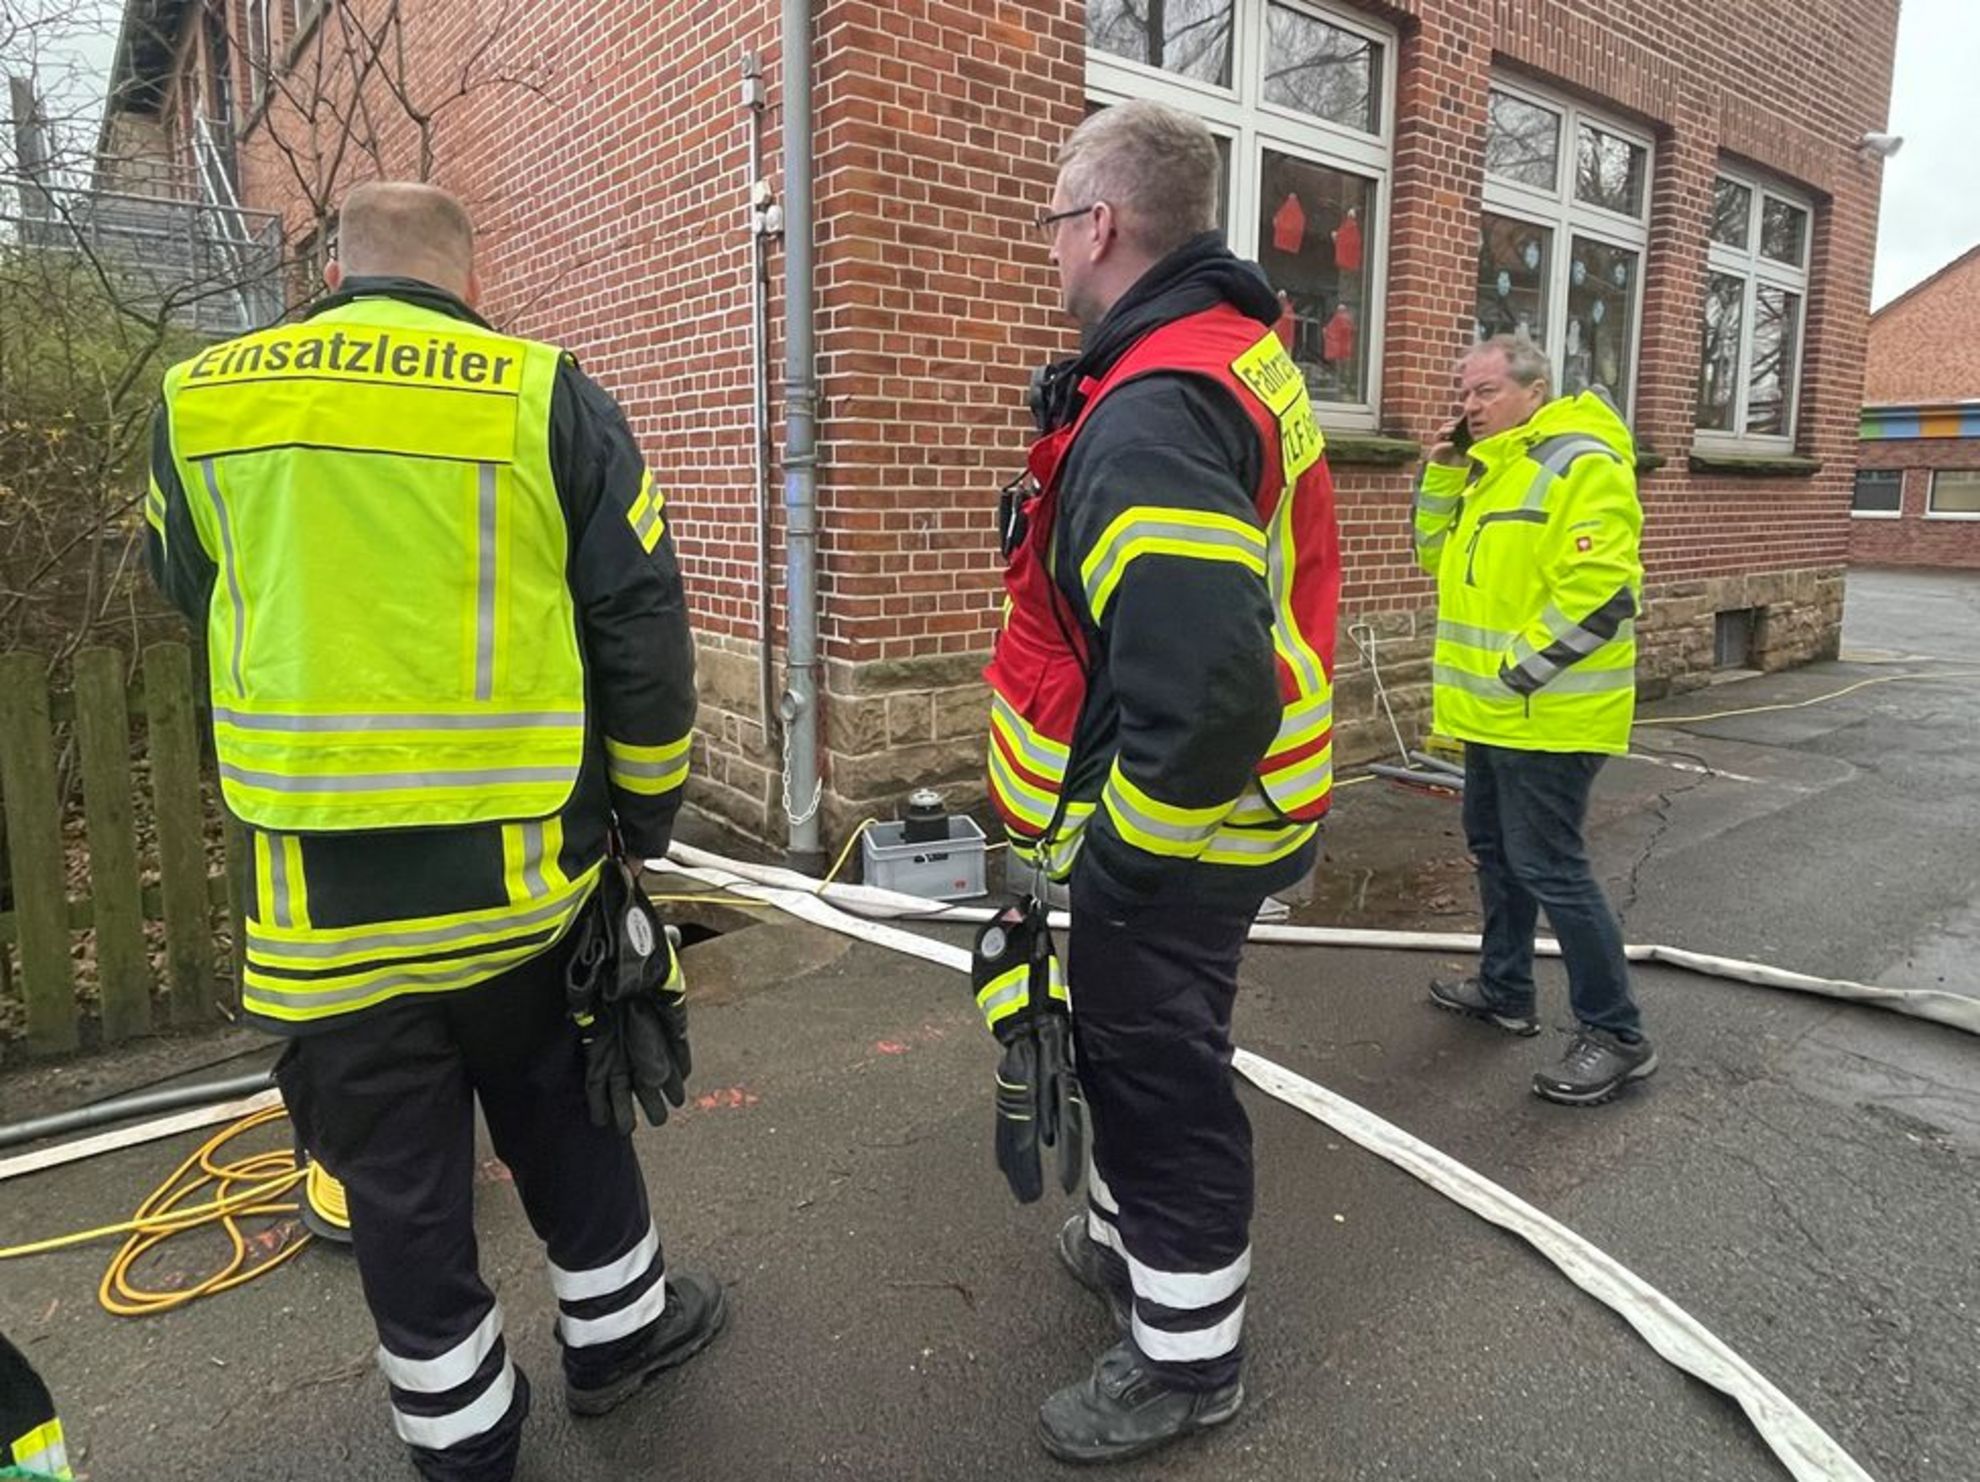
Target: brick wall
[(1913, 539), (1925, 344), (611, 193)]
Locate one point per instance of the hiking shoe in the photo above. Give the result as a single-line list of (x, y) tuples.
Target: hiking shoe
[(694, 1314), (1467, 996), (1125, 1408), (1097, 1268), (1596, 1066)]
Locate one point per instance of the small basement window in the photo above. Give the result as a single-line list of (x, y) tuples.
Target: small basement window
[(1732, 639)]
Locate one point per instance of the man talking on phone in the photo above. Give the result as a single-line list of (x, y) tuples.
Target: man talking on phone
[(1528, 517)]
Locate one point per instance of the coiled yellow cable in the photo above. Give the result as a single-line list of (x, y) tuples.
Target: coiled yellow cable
[(244, 1189)]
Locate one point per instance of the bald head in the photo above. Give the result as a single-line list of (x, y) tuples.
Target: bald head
[(401, 229)]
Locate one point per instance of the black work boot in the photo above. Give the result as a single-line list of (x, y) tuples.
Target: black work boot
[(1125, 1408), (1596, 1066), (1468, 996), (694, 1314), (1098, 1269)]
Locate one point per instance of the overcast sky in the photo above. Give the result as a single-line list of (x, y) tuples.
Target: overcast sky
[(1932, 188), (1931, 210)]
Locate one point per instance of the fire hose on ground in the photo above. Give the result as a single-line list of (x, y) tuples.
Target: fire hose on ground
[(861, 912)]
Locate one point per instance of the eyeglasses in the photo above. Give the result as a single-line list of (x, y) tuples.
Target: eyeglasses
[(1046, 220)]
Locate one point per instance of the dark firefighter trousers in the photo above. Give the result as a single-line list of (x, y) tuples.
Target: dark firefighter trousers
[(386, 1103), (1170, 1186)]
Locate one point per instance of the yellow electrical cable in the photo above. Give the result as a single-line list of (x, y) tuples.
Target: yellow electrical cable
[(165, 1213), (846, 853), (1679, 720)]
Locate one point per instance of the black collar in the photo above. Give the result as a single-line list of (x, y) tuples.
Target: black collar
[(414, 291)]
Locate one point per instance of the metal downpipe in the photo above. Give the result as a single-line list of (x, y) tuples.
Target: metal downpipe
[(803, 789)]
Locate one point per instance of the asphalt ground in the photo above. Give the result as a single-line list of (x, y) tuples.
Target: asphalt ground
[(1800, 1175)]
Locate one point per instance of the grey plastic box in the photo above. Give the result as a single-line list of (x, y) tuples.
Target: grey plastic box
[(940, 870)]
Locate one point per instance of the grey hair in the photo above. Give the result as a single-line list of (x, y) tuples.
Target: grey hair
[(1156, 166), (1526, 362)]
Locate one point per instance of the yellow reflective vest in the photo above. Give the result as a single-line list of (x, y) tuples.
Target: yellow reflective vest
[(1535, 547), (457, 696), (403, 586)]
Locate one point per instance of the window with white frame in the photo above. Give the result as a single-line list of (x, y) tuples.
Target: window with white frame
[(1878, 495), (260, 46), (1756, 300), (1300, 95), (1563, 235), (1955, 494)]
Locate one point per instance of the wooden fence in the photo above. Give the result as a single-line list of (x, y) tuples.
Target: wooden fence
[(95, 718)]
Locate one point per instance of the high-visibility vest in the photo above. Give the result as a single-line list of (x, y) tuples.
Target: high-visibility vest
[(393, 641), (1038, 671), (1535, 547)]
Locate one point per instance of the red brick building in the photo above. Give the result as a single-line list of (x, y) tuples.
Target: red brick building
[(1670, 198), (1917, 499)]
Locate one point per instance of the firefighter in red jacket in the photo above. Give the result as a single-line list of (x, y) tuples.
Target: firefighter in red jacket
[(1161, 735)]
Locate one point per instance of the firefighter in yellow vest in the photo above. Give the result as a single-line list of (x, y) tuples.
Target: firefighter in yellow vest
[(1527, 515), (452, 682)]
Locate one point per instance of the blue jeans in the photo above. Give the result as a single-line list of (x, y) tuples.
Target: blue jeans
[(1523, 817)]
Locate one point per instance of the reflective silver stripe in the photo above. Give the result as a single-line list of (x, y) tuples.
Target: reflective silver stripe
[(496, 720), (1176, 833), (1580, 681), (653, 771), (438, 1432), (613, 1276), (451, 1369), (393, 781), (1488, 685), (532, 860), (1255, 842), (1435, 504), (484, 586), (386, 940), (1003, 998), (1311, 713), (278, 881), (1102, 573), (1182, 1348), (1556, 454), (584, 1332), (1470, 635), (51, 1461), (455, 973), (1186, 1289), (1293, 651), (645, 525), (233, 575), (1046, 763)]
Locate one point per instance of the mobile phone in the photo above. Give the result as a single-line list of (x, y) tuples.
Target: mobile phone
[(1458, 435)]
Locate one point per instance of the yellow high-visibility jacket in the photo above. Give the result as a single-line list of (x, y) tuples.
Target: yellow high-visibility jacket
[(447, 644), (1535, 547)]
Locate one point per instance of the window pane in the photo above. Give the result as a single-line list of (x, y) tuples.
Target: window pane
[(1523, 142), (1879, 491), (1956, 491), (1601, 319), (1314, 238), (1192, 37), (1783, 231), (1732, 213), (1770, 388), (1515, 260), (1608, 171), (1322, 70), (1718, 374)]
